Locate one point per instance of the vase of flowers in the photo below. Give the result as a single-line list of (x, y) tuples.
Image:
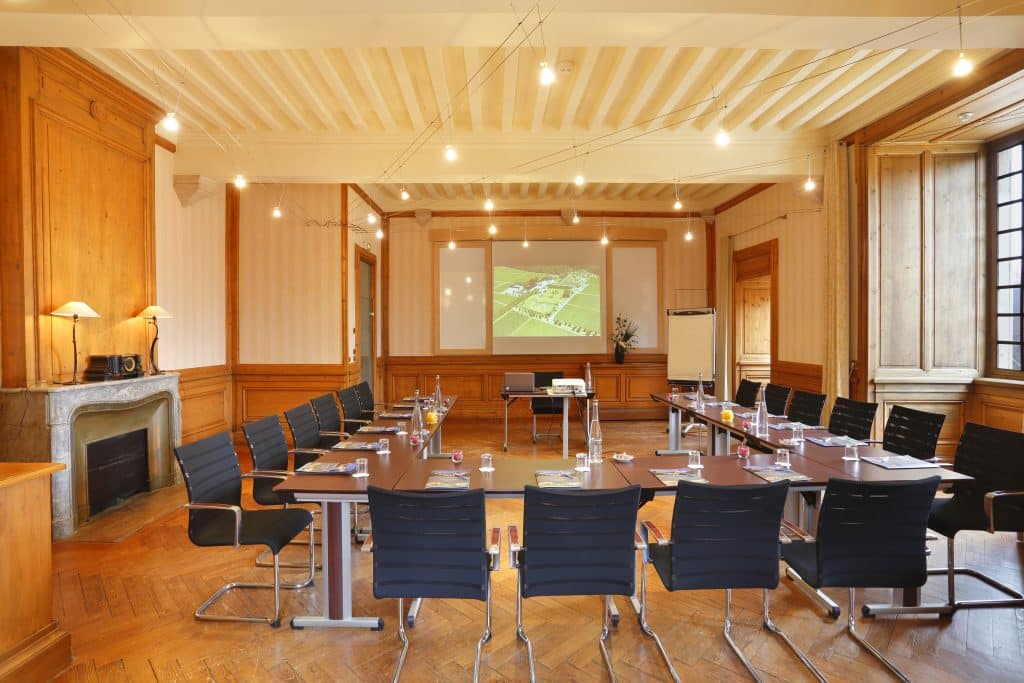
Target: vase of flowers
[(623, 337)]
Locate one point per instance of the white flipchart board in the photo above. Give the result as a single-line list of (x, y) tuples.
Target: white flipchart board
[(691, 344)]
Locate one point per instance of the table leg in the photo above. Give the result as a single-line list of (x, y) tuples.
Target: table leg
[(336, 575), (675, 426), (586, 427), (565, 426), (506, 425)]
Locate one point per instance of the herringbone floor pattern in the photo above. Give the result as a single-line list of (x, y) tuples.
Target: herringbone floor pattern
[(128, 607)]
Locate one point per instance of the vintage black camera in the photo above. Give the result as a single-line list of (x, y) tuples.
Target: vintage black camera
[(106, 368)]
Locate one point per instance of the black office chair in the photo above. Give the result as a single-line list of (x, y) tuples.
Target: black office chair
[(722, 537), (870, 535), (366, 403), (270, 453), (746, 393), (776, 398), (548, 405), (993, 502), (912, 432), (353, 409), (575, 542), (852, 418), (328, 417), (806, 408), (213, 480), (432, 545), (306, 430)]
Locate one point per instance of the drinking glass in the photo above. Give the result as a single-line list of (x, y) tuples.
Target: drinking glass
[(782, 457), (362, 468), (694, 461), (384, 446), (582, 462), (456, 457), (401, 429), (486, 462), (851, 453), (798, 434)]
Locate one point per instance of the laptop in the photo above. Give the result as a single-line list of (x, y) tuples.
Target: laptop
[(519, 381)]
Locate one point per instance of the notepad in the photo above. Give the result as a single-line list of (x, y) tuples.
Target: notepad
[(899, 462), (557, 479), (672, 476), (396, 416), (790, 425), (319, 467), (355, 446), (448, 479), (834, 441), (773, 473), (402, 406), (377, 429)]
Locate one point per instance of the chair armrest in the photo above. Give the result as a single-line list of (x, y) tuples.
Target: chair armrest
[(650, 530), (267, 474), (513, 545), (638, 542), (224, 507), (872, 441), (309, 451), (355, 419), (367, 544), (790, 529), (494, 549), (990, 498), (344, 435)]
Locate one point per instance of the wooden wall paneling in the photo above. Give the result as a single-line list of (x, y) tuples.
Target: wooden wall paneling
[(753, 263), (798, 376), (951, 404), (262, 390), (205, 402), (231, 217), (997, 403)]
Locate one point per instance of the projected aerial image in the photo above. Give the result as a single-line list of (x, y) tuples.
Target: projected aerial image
[(547, 301)]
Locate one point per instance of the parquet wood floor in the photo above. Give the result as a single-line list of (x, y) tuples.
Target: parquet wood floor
[(128, 607)]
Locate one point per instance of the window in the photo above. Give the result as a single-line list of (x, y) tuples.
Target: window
[(1005, 197)]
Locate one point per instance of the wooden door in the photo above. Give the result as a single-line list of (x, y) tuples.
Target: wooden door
[(754, 312)]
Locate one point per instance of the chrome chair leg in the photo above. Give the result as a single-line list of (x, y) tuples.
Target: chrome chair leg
[(815, 595), (485, 637), (647, 629), (605, 635), (851, 627), (312, 565), (274, 621), (521, 634), (770, 625), (402, 637), (727, 631)]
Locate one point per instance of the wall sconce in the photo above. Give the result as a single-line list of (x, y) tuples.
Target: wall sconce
[(152, 314), (74, 310)]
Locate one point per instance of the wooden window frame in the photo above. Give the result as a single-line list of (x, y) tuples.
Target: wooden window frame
[(993, 148)]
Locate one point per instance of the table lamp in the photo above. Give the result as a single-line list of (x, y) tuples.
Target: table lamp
[(152, 313), (74, 310)]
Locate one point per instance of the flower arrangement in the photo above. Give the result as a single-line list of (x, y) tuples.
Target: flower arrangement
[(624, 336)]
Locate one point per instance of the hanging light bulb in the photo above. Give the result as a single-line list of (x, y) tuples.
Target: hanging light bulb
[(810, 184), (688, 236), (276, 212), (380, 233), (963, 66), (678, 204), (575, 218), (722, 138), (449, 153), (526, 243), (547, 74), (241, 182), (170, 122), (371, 218), (492, 229), (405, 194), (488, 205), (451, 244), (579, 180), (604, 240)]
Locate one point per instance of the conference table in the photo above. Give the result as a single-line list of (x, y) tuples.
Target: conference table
[(509, 396)]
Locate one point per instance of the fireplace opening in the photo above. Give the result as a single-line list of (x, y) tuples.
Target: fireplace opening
[(117, 469)]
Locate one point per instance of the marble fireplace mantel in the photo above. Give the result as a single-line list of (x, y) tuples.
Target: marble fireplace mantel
[(54, 423)]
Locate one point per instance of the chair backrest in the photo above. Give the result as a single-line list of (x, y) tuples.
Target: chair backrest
[(994, 457), (912, 432), (852, 418), (578, 542), (365, 395), (726, 536), (327, 412), (806, 407), (212, 475), (429, 544), (267, 443), (303, 426), (746, 393), (546, 405), (776, 398), (349, 399), (872, 534)]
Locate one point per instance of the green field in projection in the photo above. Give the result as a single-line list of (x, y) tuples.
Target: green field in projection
[(546, 301)]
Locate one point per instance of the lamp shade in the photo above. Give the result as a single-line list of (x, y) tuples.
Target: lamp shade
[(73, 308), (154, 312)]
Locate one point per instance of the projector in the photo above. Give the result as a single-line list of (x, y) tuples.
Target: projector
[(568, 386)]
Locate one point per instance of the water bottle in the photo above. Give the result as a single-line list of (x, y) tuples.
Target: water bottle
[(417, 415), (596, 442), (438, 398), (762, 415), (699, 401), (588, 378)]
